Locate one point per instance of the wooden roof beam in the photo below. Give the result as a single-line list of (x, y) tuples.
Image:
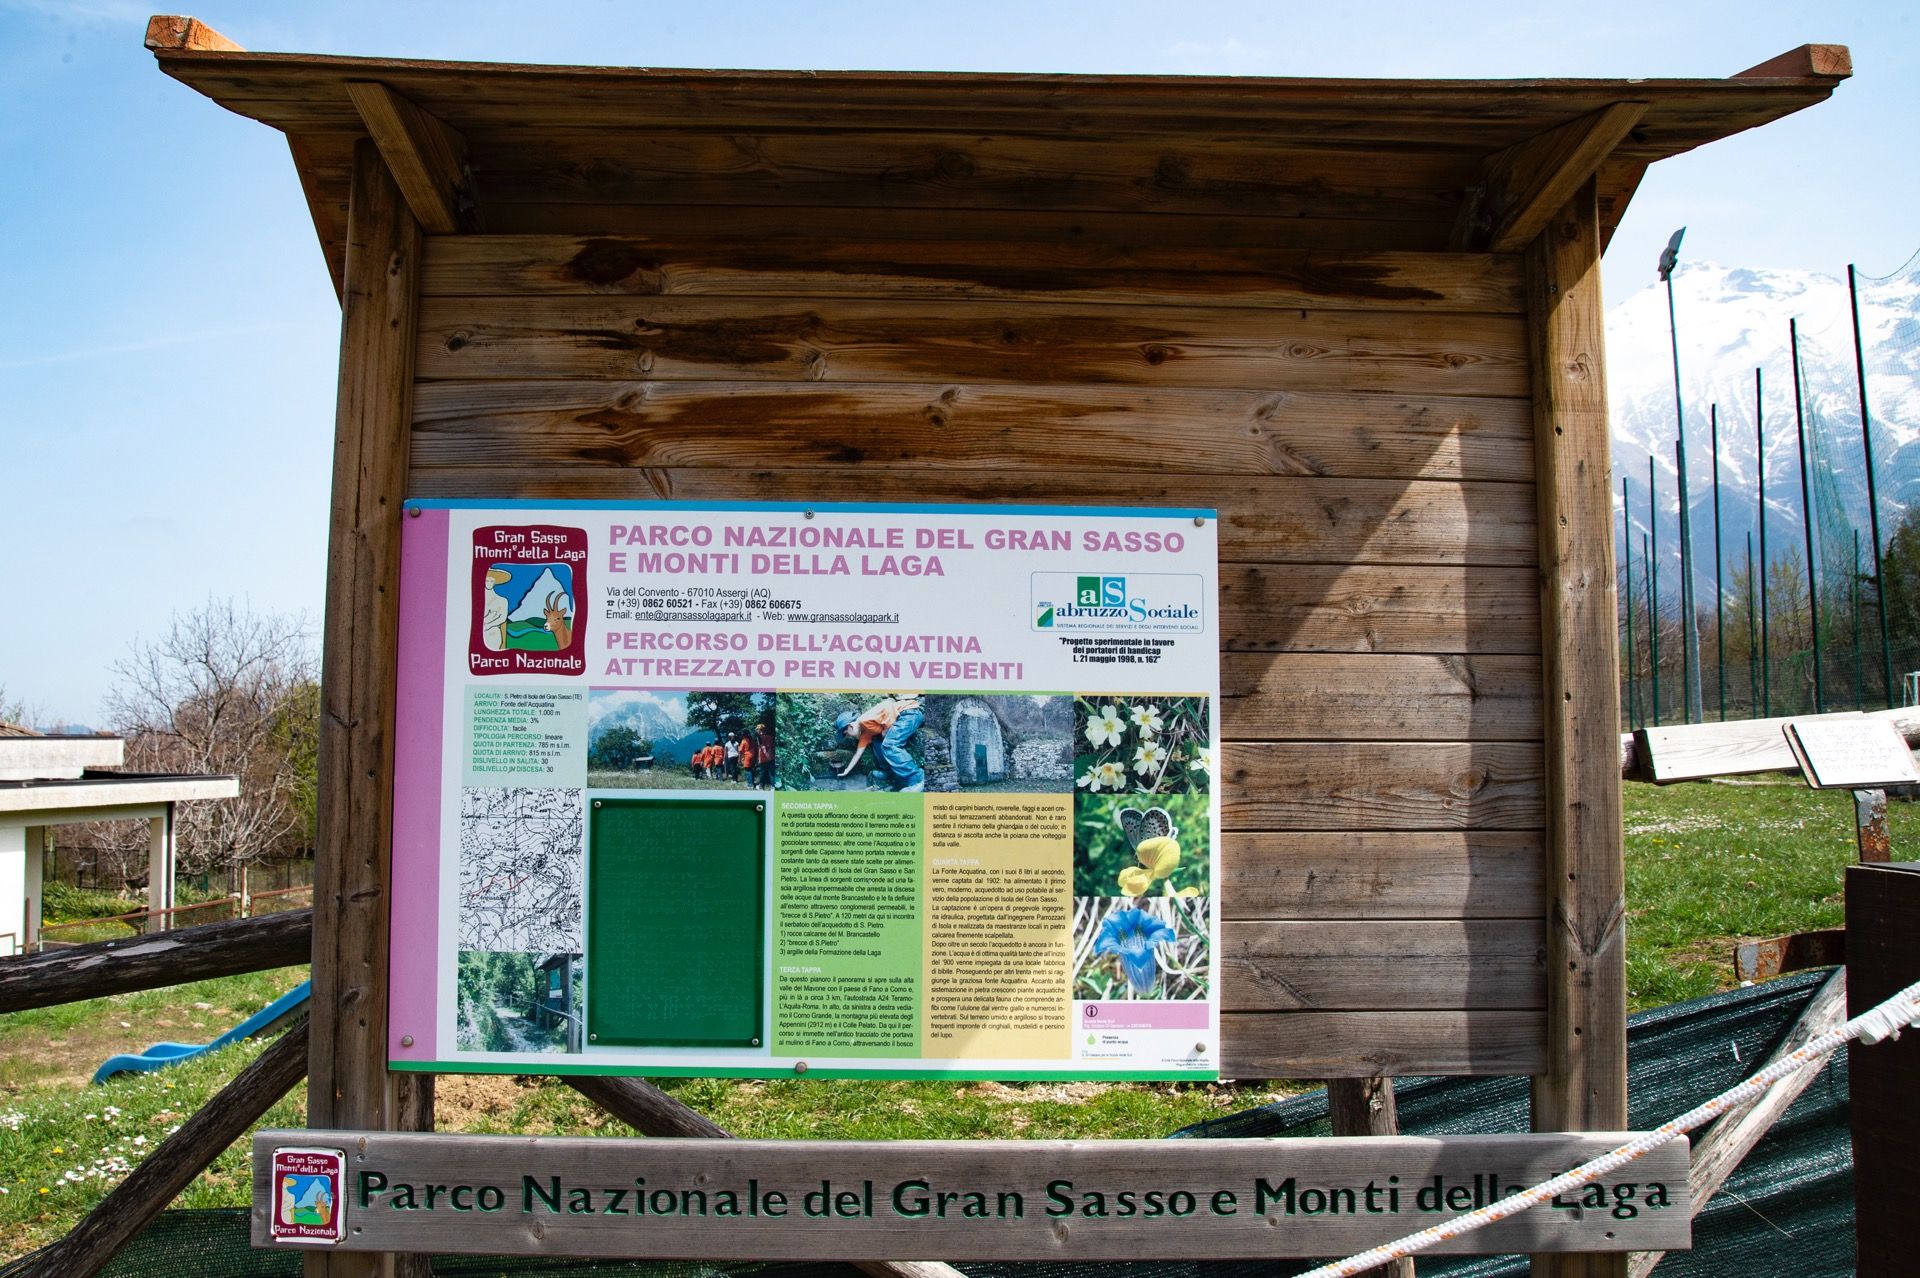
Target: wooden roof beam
[(171, 32), (1808, 62), (427, 157), (1528, 182)]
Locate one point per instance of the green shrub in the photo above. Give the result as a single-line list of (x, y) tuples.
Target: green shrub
[(64, 903)]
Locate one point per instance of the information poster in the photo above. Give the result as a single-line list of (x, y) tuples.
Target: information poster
[(848, 790)]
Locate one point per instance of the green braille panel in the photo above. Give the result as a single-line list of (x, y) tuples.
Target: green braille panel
[(675, 929)]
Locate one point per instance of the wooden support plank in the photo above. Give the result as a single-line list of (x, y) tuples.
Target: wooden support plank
[(1364, 1044), (1527, 184), (1262, 520), (428, 160), (174, 1163), (152, 962), (1322, 696), (1584, 1084), (1382, 874), (1371, 608), (173, 33), (1691, 752), (838, 340), (1365, 1107), (348, 1077), (645, 1108), (1382, 965), (578, 427), (1733, 1135), (1211, 274), (1382, 785), (1809, 61)]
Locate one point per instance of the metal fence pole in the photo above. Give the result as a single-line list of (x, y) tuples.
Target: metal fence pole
[(1873, 495), (1806, 514)]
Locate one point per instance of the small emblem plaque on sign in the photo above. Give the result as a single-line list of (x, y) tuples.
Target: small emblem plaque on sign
[(307, 1204)]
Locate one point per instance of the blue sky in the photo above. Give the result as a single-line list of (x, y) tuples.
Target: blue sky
[(168, 362)]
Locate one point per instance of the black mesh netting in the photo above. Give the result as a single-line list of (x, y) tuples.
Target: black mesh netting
[(1788, 1209)]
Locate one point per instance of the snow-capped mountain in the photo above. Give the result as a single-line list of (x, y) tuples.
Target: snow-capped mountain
[(660, 716), (1730, 322), (533, 604)]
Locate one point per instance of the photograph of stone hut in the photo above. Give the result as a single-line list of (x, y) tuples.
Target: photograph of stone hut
[(1018, 744)]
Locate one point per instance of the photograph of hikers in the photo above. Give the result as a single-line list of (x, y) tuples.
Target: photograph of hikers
[(642, 740)]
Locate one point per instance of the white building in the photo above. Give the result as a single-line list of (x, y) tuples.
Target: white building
[(58, 780)]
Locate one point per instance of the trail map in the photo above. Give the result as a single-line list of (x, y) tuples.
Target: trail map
[(522, 856)]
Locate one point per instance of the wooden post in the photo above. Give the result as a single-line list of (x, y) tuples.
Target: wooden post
[(1883, 952), (1365, 1107), (1585, 1086), (348, 1085)]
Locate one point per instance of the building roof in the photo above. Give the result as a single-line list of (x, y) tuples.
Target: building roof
[(97, 795), (1348, 164)]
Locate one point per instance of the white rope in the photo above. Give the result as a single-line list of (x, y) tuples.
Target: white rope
[(1871, 1026)]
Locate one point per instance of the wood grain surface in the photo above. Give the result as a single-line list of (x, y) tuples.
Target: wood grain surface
[(944, 427), (1382, 874), (1359, 965), (837, 339), (792, 257)]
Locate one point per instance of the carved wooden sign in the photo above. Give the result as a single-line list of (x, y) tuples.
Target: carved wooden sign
[(969, 1200)]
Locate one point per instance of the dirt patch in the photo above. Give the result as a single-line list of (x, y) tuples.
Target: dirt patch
[(463, 1100), (72, 1054)]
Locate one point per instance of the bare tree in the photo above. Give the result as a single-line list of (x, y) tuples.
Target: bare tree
[(231, 691), (20, 713)]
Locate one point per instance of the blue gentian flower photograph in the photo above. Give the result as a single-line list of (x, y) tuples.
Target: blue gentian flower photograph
[(1130, 935), (1154, 948)]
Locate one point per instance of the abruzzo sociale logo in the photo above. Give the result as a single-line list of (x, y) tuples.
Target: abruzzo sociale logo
[(1138, 601)]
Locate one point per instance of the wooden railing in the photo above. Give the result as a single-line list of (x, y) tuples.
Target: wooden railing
[(141, 922)]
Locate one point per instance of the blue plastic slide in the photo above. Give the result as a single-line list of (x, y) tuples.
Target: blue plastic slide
[(161, 1055)]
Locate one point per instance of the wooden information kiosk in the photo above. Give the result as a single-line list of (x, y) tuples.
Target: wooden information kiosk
[(1361, 319)]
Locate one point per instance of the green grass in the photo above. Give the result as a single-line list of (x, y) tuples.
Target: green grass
[(62, 1046), (62, 1148), (1712, 864)]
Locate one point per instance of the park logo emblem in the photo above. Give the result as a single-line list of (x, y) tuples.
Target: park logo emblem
[(528, 582), (308, 1205)]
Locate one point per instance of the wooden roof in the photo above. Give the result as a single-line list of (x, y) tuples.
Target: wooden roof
[(1351, 164)]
